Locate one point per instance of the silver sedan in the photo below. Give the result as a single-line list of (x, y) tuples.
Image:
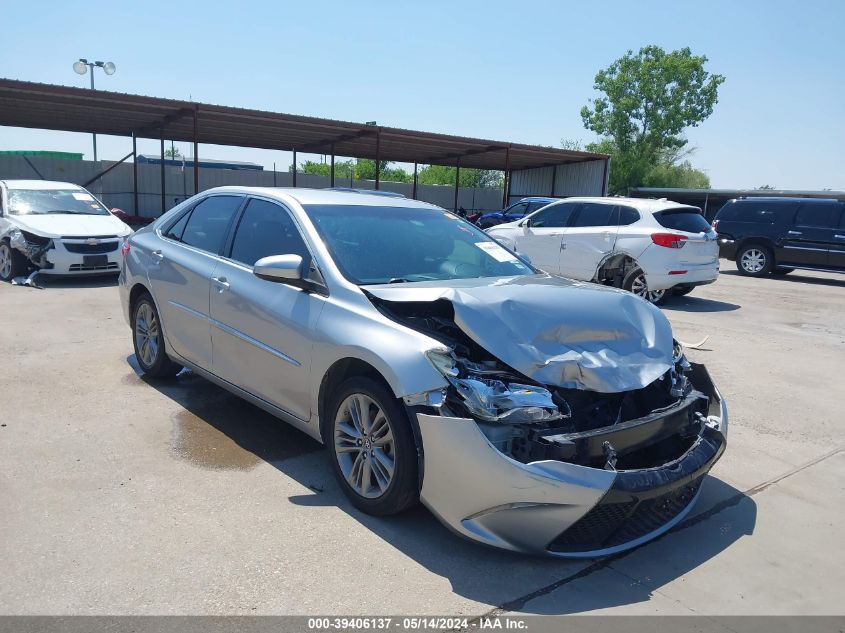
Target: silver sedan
[(526, 411)]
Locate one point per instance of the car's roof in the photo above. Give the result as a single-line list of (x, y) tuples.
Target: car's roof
[(329, 196), (39, 184), (537, 199), (790, 199), (649, 205)]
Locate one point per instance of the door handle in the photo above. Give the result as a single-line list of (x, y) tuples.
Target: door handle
[(158, 256), (606, 234), (222, 284), (794, 233), (839, 237)]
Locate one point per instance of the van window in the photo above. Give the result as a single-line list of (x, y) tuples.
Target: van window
[(682, 219), (823, 216), (757, 212)]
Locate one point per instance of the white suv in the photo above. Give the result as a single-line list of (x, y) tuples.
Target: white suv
[(644, 246)]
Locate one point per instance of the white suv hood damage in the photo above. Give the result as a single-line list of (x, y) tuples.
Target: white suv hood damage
[(556, 331)]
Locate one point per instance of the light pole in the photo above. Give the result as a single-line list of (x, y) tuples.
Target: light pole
[(81, 67)]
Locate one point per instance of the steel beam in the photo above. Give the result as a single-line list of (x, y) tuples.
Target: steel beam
[(294, 167), (163, 201), (135, 209), (196, 151), (414, 191), (378, 157), (457, 181)]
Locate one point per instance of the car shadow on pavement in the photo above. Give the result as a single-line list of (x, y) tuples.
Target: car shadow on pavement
[(698, 304), (217, 430), (93, 281), (799, 277)]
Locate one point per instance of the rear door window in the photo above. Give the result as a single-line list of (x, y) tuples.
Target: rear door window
[(627, 216), (757, 212), (594, 214), (209, 222), (682, 219), (820, 216)]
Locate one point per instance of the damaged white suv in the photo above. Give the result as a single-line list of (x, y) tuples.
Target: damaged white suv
[(527, 411), (57, 228)]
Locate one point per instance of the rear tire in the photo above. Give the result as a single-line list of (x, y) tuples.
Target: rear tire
[(782, 270), (148, 340), (371, 447), (635, 283), (754, 260), (12, 263), (682, 291)]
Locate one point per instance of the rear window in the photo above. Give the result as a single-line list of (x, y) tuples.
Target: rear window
[(683, 219)]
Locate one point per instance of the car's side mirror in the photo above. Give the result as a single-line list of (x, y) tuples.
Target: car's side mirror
[(526, 224), (286, 269)]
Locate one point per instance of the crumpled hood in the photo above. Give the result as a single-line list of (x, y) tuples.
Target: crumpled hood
[(57, 224), (556, 331)]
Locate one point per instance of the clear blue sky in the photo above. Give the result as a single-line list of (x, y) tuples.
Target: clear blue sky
[(514, 71)]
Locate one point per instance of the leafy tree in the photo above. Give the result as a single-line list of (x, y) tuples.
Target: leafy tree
[(572, 143), (649, 99), (172, 152), (766, 187), (445, 175)]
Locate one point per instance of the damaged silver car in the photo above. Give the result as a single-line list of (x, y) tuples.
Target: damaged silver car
[(526, 411)]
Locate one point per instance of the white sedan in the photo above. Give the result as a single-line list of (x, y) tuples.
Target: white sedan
[(645, 246), (57, 228)]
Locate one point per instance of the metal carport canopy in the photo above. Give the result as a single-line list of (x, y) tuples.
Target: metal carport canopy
[(53, 107)]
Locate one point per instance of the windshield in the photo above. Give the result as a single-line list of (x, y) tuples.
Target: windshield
[(44, 201), (378, 245)]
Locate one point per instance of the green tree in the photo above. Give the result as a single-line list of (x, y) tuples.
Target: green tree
[(172, 152), (766, 187), (649, 99), (445, 175)]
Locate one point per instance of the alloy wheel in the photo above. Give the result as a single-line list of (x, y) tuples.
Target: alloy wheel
[(146, 334), (5, 261), (753, 260), (364, 445), (640, 288)]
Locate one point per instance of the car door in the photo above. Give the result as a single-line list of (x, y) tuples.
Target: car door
[(808, 240), (180, 274), (590, 236), (262, 331), (836, 257), (540, 235)]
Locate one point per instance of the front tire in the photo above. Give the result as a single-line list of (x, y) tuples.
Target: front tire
[(148, 340), (635, 282), (12, 263), (754, 260), (371, 447)]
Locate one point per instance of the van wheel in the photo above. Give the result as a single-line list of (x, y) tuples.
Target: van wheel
[(12, 263), (371, 447), (635, 283), (754, 260), (782, 270), (682, 291)]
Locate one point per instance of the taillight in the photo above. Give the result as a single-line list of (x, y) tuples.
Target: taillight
[(669, 240), (125, 248)]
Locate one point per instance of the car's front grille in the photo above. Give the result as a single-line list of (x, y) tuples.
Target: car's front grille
[(81, 267), (91, 249), (611, 524)]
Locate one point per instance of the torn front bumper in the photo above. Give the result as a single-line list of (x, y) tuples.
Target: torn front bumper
[(557, 508)]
